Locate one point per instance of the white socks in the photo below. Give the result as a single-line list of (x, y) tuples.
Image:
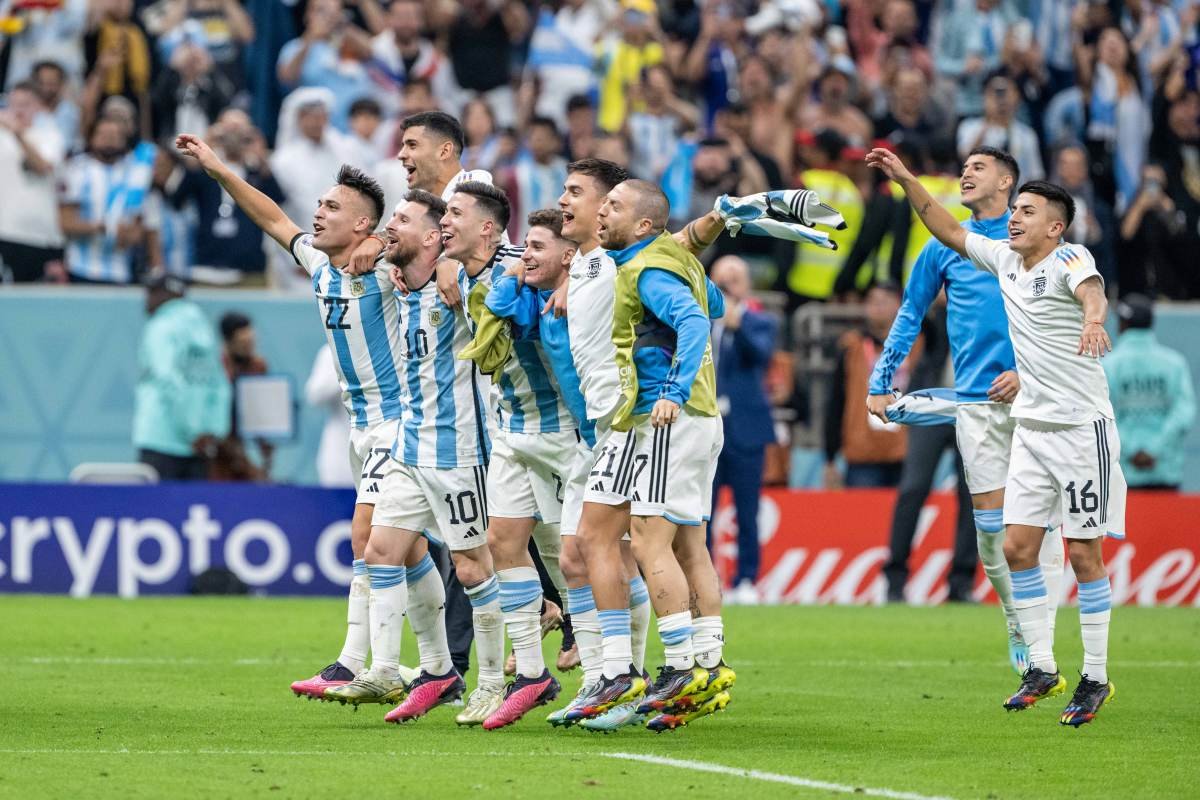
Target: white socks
[(358, 626), (1095, 611), (488, 621), (989, 534), (639, 618), (521, 603), (427, 616), (548, 539), (675, 630), (708, 641), (1051, 558), (586, 624), (616, 641), (389, 600), (1029, 598)]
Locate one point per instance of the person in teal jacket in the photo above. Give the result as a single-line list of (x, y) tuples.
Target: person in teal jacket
[(1152, 395), (182, 401)]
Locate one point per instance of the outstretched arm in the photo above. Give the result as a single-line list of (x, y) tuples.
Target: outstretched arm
[(699, 234), (261, 209), (940, 222)]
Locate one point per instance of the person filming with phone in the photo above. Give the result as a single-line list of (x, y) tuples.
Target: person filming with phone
[(1150, 260)]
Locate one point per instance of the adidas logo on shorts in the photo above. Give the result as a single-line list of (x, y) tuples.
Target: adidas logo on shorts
[(472, 531), (598, 487), (1091, 523)]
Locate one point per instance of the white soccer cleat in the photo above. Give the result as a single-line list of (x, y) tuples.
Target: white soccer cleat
[(483, 703)]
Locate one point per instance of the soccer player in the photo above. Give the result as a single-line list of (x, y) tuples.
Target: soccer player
[(984, 373), (359, 315), (1066, 451)]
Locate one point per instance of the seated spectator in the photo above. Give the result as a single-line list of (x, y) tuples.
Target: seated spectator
[(535, 181), (103, 210), (622, 56), (189, 94), (240, 358), (31, 150), (874, 453), (834, 108), (220, 27), (228, 245), (654, 130), (1148, 255), (119, 64), (1000, 128), (50, 81), (329, 55)]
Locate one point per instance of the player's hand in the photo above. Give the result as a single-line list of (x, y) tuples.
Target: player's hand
[(664, 413), (877, 404), (1094, 342), (362, 260), (195, 147), (1004, 389), (517, 270), (888, 163), (557, 303), (831, 477), (447, 283), (397, 276)]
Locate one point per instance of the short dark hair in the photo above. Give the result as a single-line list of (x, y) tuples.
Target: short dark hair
[(606, 173), (577, 101), (492, 201), (364, 184), (366, 105), (550, 218), (54, 65), (232, 322), (23, 86), (418, 83), (435, 207), (652, 203), (439, 123), (544, 122), (1003, 158), (1055, 195)]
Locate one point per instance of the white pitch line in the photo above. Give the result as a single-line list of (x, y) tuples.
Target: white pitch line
[(771, 777), (78, 751)]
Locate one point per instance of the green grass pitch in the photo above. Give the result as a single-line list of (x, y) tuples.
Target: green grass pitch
[(189, 697)]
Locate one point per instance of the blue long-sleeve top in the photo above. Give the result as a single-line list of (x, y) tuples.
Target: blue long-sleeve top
[(975, 318), (522, 305)]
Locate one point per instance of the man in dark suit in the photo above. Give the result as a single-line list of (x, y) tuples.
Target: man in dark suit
[(743, 342)]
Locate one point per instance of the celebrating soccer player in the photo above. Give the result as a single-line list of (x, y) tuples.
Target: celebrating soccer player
[(1065, 456)]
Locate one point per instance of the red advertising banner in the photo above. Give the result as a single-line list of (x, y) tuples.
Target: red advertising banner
[(829, 547)]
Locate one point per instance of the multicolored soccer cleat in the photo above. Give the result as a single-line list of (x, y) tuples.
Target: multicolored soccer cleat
[(427, 693), (721, 678), (329, 678), (674, 689), (522, 696), (1018, 651), (482, 704), (676, 719), (370, 686), (558, 717), (1090, 697), (1036, 685), (616, 717), (608, 692)]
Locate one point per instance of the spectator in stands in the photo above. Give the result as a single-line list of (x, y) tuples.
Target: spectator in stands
[(50, 81), (770, 109), (220, 27), (721, 166), (1153, 398), (655, 129), (483, 140), (31, 150), (712, 61), (181, 406), (611, 147), (329, 55), (1094, 219), (1022, 59), (580, 140), (417, 97), (1000, 128), (621, 58), (743, 343), (898, 24), (119, 61), (911, 115), (103, 209), (1118, 126), (561, 58), (874, 454), (1150, 235), (402, 54), (323, 391), (536, 179), (834, 108), (480, 37), (48, 33), (968, 43), (1175, 144), (228, 245), (189, 94), (361, 142), (240, 358)]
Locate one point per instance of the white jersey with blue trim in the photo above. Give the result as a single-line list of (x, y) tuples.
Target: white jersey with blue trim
[(442, 424), (590, 300), (362, 326), (525, 395)]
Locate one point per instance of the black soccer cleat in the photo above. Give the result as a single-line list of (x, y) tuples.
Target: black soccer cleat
[(1090, 697), (608, 692), (1036, 685)]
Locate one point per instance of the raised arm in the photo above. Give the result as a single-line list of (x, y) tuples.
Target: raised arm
[(1094, 341), (699, 234), (940, 222), (261, 209)]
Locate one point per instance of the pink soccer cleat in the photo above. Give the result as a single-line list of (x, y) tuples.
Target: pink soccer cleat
[(427, 693), (329, 678), (523, 695)]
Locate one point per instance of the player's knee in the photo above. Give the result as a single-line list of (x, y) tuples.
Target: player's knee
[(1087, 560), (469, 571), (570, 560), (1020, 554)]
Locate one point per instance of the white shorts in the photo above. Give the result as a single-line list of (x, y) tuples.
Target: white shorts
[(577, 477), (527, 474), (449, 506), (370, 450), (984, 432), (1068, 473), (611, 471)]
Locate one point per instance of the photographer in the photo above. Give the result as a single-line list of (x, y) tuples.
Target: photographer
[(1147, 246)]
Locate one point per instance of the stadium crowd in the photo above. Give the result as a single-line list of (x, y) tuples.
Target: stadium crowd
[(705, 97)]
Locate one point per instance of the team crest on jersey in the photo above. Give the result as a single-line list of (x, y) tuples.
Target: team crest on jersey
[(435, 317), (356, 287), (593, 269), (1039, 286)]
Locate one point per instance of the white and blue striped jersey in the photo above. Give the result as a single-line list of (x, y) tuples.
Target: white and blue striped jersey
[(525, 395), (442, 423), (108, 193), (363, 329)]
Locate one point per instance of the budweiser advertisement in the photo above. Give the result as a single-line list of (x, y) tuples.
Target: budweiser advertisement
[(830, 547)]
